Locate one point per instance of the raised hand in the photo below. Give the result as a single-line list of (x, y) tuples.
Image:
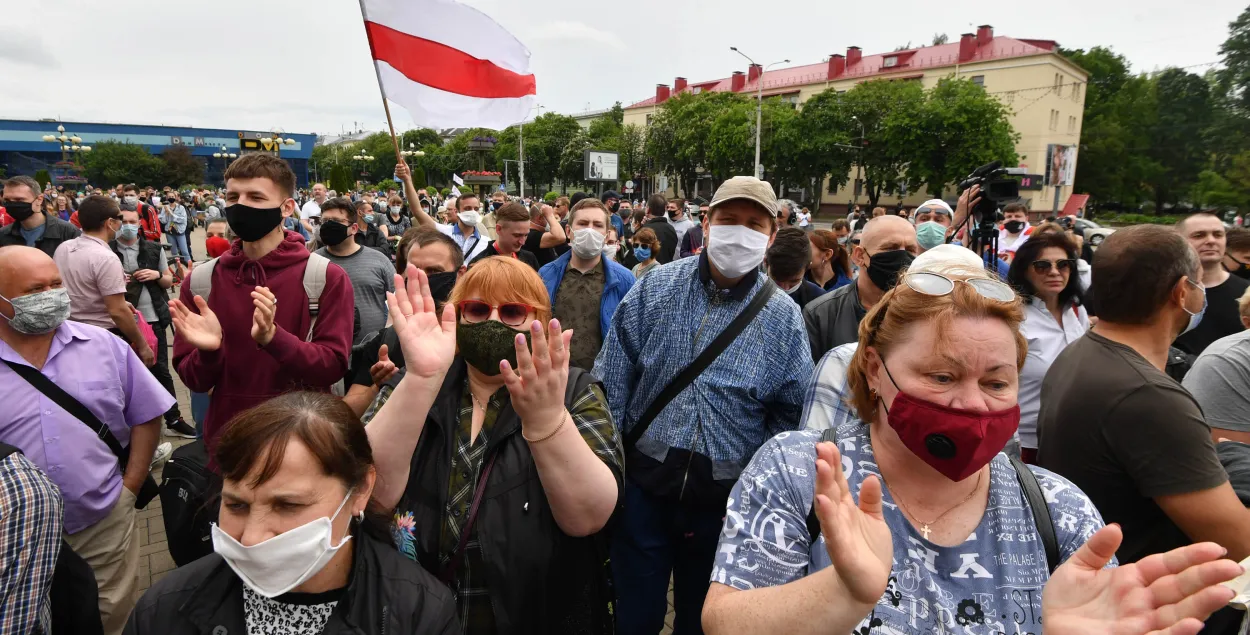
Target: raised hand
[(856, 536), (537, 385), (428, 341), (266, 308), (1167, 593), (402, 171), (383, 369), (201, 330)]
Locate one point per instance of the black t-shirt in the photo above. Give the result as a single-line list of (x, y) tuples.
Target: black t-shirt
[(533, 244), (1221, 319), (524, 256), (1124, 433), (366, 356)]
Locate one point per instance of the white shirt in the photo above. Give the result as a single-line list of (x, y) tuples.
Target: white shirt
[(1046, 340), (310, 209), (1007, 244), (804, 219)]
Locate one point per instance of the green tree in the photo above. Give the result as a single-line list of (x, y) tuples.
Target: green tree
[(43, 178), (633, 149), (181, 167), (113, 162), (341, 179), (1183, 107), (891, 112), (680, 133), (822, 141), (961, 127), (1234, 77), (572, 169)]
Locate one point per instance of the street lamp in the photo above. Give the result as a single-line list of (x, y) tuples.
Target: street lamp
[(759, 107), (68, 142), (225, 157), (859, 163), (411, 152), (278, 141)]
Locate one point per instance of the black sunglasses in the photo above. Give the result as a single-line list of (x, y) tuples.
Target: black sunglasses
[(1044, 266)]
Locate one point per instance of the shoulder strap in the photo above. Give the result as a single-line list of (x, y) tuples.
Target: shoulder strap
[(830, 435), (314, 285), (75, 409), (202, 279), (6, 450), (1041, 512), (700, 363)]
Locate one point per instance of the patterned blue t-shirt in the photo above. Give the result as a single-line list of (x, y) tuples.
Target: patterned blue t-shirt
[(992, 583)]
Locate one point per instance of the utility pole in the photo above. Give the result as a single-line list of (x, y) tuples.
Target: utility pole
[(759, 107)]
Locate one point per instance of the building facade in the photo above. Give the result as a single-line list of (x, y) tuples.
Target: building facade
[(1043, 90), (24, 151)]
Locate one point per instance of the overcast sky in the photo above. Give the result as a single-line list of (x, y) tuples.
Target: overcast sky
[(303, 65)]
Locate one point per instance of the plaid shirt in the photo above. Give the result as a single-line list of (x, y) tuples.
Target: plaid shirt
[(826, 403), (30, 539)]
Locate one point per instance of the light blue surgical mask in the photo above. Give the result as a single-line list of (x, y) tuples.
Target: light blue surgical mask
[(642, 253), (1196, 318), (369, 218), (128, 232), (930, 234)]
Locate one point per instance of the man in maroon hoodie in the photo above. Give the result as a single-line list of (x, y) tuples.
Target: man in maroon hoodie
[(246, 341)]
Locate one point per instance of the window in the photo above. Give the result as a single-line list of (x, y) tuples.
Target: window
[(979, 80), (890, 62), (1071, 125), (648, 120), (1076, 92), (1054, 119), (697, 90), (792, 99)]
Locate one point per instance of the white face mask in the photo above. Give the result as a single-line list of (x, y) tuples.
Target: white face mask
[(735, 250), (470, 218), (285, 561), (588, 242), (395, 209), (131, 200), (609, 251)]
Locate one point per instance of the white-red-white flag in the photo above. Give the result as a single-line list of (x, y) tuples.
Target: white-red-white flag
[(449, 64)]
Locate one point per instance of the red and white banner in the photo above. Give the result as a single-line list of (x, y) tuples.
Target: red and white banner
[(449, 64)]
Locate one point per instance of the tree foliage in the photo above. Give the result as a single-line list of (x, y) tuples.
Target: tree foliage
[(113, 162), (960, 127), (181, 167)]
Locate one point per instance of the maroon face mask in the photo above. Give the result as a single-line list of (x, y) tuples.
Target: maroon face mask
[(953, 441)]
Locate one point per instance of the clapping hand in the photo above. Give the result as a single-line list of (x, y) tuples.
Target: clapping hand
[(383, 369), (201, 330), (1166, 593), (266, 309), (537, 385), (856, 536), (428, 341)]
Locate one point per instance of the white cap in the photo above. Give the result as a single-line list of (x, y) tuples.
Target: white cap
[(934, 202), (948, 258)]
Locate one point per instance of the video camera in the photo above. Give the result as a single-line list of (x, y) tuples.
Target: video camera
[(996, 191)]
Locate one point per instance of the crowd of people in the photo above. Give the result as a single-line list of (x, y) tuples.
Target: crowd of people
[(486, 415)]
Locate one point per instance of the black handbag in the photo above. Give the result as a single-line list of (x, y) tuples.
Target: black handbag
[(685, 475), (189, 493), (80, 412)]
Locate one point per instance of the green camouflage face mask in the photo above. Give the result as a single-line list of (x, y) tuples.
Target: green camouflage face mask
[(483, 344)]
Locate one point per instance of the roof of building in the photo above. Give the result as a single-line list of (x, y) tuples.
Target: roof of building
[(871, 66)]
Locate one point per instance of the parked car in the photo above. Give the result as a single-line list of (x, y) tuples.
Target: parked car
[(1093, 232)]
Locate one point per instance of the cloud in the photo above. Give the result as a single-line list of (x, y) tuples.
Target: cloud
[(26, 48), (565, 31)]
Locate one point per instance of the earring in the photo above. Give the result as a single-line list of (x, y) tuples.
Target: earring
[(360, 516)]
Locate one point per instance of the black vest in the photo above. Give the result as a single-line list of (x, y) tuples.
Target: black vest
[(149, 258), (541, 580)]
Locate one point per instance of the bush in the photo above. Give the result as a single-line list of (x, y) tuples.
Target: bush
[(446, 192), (550, 197), (1137, 219), (43, 178), (432, 191)]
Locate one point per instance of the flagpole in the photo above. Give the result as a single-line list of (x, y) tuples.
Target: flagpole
[(399, 158)]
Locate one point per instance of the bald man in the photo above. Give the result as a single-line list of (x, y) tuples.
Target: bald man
[(105, 376), (885, 250)]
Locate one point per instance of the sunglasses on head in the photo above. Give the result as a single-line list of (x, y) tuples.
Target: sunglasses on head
[(937, 285), (1044, 266), (510, 313)]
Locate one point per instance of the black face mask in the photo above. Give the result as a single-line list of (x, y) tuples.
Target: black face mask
[(1242, 270), (19, 210), (615, 206), (441, 285), (1014, 226), (333, 233), (252, 223), (884, 267)]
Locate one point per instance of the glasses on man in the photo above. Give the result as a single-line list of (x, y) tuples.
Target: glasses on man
[(510, 313), (1044, 266)]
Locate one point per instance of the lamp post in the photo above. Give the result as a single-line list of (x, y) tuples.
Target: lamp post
[(225, 155), (759, 107), (68, 142), (364, 158), (859, 163), (278, 141)]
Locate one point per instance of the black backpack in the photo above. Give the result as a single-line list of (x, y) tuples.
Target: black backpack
[(74, 596), (189, 495)]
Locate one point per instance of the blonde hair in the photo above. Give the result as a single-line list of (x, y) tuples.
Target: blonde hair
[(501, 279), (902, 307), (1243, 304)]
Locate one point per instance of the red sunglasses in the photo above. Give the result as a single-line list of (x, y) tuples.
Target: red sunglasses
[(510, 313)]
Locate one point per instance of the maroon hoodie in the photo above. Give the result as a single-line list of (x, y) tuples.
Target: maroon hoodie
[(241, 373)]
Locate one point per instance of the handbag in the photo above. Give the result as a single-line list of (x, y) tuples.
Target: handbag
[(685, 475), (189, 496), (80, 412)]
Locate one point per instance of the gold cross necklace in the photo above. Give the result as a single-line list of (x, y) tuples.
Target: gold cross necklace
[(924, 526)]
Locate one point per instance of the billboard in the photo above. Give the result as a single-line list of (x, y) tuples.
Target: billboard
[(601, 166), (1060, 164)]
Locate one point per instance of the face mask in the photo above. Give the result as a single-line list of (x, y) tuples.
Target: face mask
[(395, 210), (472, 217), (930, 234), (425, 208), (884, 267), (953, 441), (369, 219), (285, 561), (1242, 270), (1196, 318), (253, 223), (614, 207), (588, 243), (38, 313), (441, 285), (1014, 226), (484, 344), (642, 253), (333, 233), (130, 200), (845, 240), (19, 210), (493, 206), (736, 249), (610, 251), (128, 232)]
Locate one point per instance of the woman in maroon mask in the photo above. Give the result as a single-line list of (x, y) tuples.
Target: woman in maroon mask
[(914, 521)]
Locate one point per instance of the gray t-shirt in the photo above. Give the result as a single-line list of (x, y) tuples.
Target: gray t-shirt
[(1220, 382), (372, 275), (992, 583), (130, 264)]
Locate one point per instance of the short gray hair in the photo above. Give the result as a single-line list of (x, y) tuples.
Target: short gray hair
[(786, 203), (23, 180)]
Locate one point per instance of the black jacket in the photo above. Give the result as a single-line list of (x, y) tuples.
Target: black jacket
[(807, 293), (56, 231), (149, 258), (833, 319), (374, 239), (667, 235), (540, 579), (387, 594)]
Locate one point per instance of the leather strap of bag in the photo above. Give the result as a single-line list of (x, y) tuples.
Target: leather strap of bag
[(448, 574)]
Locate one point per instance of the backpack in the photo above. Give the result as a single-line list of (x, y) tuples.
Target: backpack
[(188, 493), (74, 597), (314, 284)]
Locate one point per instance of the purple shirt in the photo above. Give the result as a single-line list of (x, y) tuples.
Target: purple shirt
[(101, 372)]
